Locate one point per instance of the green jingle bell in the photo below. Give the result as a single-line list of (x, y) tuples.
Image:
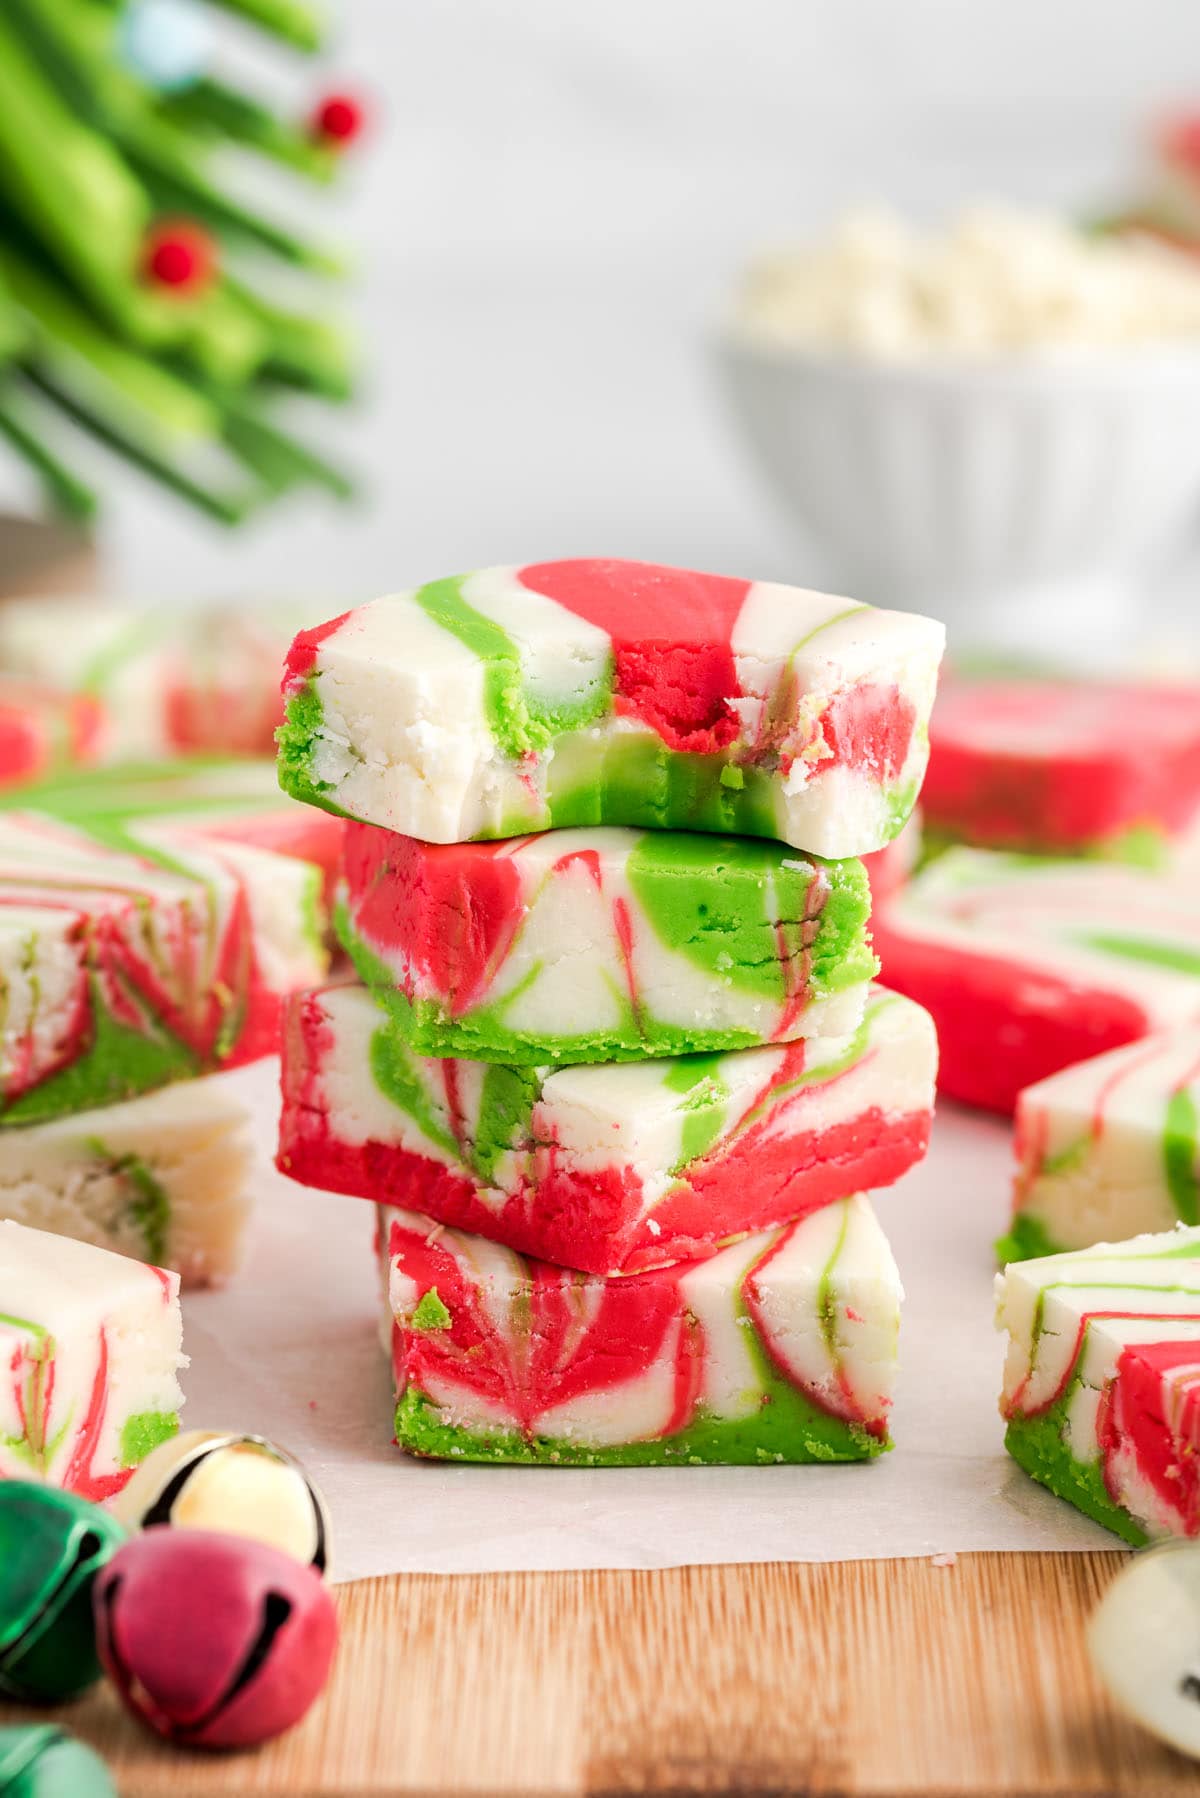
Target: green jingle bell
[(52, 1545), (43, 1761)]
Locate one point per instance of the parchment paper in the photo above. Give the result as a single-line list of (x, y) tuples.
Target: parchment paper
[(291, 1350)]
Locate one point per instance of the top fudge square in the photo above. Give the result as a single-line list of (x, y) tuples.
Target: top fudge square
[(601, 692)]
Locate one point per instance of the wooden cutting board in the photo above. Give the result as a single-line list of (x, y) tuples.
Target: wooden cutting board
[(872, 1677)]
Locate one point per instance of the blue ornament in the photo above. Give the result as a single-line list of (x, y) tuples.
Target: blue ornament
[(166, 43)]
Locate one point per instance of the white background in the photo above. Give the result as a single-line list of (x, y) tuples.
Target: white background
[(548, 216)]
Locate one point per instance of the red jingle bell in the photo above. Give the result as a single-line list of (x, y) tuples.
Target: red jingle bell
[(213, 1640)]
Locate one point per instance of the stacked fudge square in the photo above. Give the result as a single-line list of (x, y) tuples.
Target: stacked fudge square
[(616, 1076), (1056, 940)]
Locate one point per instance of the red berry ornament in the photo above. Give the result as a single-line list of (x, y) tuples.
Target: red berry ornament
[(180, 254), (337, 120), (213, 1640)]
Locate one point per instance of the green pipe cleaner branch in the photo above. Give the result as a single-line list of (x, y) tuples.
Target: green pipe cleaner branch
[(140, 291)]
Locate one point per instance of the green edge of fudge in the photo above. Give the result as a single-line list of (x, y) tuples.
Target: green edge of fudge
[(119, 1064), (785, 1428), (1038, 1445), (1025, 1240), (143, 1432), (842, 958), (303, 718), (635, 781)]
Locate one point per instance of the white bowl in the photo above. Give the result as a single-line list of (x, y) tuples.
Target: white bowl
[(1012, 496)]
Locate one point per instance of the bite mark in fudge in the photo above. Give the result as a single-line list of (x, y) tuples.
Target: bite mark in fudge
[(602, 692)]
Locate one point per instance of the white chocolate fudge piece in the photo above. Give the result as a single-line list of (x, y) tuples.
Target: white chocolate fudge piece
[(1102, 1379), (781, 1348), (90, 1344), (1109, 1148), (1030, 964), (602, 692), (610, 1168), (164, 1178), (603, 944)]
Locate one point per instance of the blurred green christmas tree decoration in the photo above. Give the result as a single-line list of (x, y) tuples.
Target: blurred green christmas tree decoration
[(139, 294)]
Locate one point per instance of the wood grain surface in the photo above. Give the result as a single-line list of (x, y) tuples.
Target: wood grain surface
[(872, 1677)]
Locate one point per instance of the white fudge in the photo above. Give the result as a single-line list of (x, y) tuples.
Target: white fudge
[(1109, 1148), (1102, 1379), (590, 692), (164, 1178), (91, 1347)]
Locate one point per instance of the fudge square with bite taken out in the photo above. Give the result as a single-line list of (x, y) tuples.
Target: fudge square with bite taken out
[(604, 692)]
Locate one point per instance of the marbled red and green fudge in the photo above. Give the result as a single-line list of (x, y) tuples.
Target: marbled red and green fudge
[(1109, 1148), (1102, 1379), (593, 945), (167, 1177), (164, 681), (599, 692), (43, 729), (90, 1347), (1029, 965), (781, 1348), (609, 1168), (234, 798), (121, 971), (1063, 767)]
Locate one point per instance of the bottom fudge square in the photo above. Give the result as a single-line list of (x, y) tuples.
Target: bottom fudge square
[(781, 1348)]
